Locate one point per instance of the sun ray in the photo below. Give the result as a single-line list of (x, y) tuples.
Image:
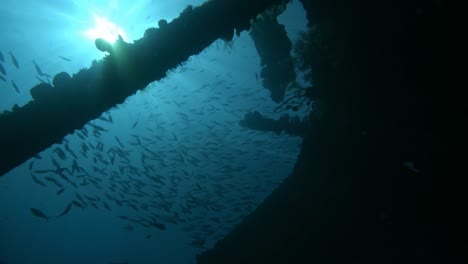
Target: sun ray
[(105, 29)]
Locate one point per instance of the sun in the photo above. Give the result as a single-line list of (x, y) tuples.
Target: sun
[(103, 28)]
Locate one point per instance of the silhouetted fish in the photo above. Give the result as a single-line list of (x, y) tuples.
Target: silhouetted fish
[(2, 69), (118, 140), (14, 60), (159, 225), (2, 78), (94, 205), (84, 183), (135, 124), (15, 86), (98, 128), (42, 171), (67, 209), (102, 118), (63, 176), (78, 204), (80, 198), (56, 164), (47, 75), (63, 58), (2, 59), (60, 153), (38, 69), (42, 80), (106, 206), (59, 192), (54, 181), (38, 213), (36, 180), (75, 167)]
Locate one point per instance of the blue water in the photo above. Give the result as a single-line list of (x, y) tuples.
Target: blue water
[(213, 172)]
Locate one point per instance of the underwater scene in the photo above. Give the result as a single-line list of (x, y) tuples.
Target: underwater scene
[(170, 170)]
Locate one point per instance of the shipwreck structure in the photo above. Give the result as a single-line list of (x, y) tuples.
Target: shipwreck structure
[(380, 70)]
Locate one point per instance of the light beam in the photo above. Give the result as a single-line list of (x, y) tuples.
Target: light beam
[(105, 29)]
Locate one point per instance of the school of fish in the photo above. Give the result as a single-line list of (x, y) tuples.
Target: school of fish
[(193, 170), (15, 65)]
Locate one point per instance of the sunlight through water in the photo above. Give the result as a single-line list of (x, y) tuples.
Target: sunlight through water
[(158, 178), (105, 29)]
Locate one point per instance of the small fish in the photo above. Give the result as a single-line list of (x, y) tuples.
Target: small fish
[(2, 59), (106, 206), (175, 137), (2, 69), (64, 58), (135, 124), (47, 75), (73, 154), (59, 192), (102, 118), (67, 209), (78, 204), (60, 153), (108, 196), (79, 197), (38, 69), (148, 236), (75, 167), (42, 80), (15, 86), (84, 183), (98, 128), (84, 130), (90, 198), (93, 205), (73, 184), (36, 180), (159, 225), (54, 181), (118, 140), (39, 214), (2, 78), (42, 171), (56, 164), (63, 176), (14, 60), (84, 147)]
